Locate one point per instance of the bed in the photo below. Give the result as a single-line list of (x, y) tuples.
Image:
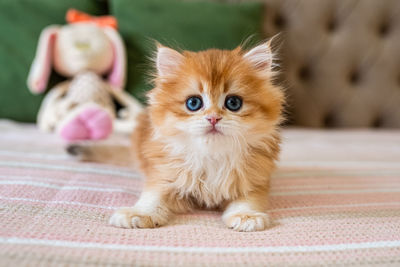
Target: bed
[(335, 200)]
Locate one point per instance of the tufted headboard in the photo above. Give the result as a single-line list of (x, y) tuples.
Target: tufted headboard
[(340, 60)]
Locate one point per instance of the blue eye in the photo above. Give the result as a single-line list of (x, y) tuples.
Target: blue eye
[(194, 103), (233, 102)]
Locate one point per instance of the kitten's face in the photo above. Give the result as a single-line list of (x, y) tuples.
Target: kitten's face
[(215, 96)]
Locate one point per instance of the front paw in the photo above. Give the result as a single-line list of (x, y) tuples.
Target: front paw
[(129, 218), (248, 221)]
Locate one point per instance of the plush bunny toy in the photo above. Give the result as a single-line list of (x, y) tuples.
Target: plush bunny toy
[(84, 107)]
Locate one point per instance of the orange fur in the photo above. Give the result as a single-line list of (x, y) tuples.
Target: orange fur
[(186, 167)]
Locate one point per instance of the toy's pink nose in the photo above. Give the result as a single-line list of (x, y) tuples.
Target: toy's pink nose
[(213, 119)]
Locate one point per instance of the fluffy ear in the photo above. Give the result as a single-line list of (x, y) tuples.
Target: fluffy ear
[(261, 57), (41, 66), (117, 76), (167, 60)]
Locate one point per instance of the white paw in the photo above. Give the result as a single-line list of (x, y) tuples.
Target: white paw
[(129, 218), (120, 219), (248, 222)]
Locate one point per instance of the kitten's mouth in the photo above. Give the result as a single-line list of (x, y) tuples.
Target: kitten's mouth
[(213, 131)]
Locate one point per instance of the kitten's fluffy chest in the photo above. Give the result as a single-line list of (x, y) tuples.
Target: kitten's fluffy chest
[(207, 172)]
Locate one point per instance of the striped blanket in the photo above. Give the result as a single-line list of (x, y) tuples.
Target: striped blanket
[(335, 201)]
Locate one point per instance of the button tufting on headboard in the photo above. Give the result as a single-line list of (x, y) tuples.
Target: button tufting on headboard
[(354, 77), (331, 25), (377, 122), (383, 29), (279, 21), (330, 48), (329, 120), (304, 73)]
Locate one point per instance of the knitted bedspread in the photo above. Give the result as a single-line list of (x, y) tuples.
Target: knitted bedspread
[(335, 200)]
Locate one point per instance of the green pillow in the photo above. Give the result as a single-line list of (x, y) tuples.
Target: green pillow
[(21, 22), (191, 25)]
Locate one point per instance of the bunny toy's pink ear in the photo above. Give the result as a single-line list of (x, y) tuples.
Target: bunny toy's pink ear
[(41, 65), (118, 70)]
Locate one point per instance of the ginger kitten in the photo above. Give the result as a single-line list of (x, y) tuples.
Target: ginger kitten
[(208, 138)]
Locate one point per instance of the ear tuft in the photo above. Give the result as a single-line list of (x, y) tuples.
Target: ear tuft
[(167, 60), (261, 57)]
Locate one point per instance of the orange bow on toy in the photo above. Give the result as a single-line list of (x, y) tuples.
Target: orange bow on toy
[(74, 16)]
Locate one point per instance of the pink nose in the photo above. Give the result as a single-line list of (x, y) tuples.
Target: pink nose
[(213, 119)]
